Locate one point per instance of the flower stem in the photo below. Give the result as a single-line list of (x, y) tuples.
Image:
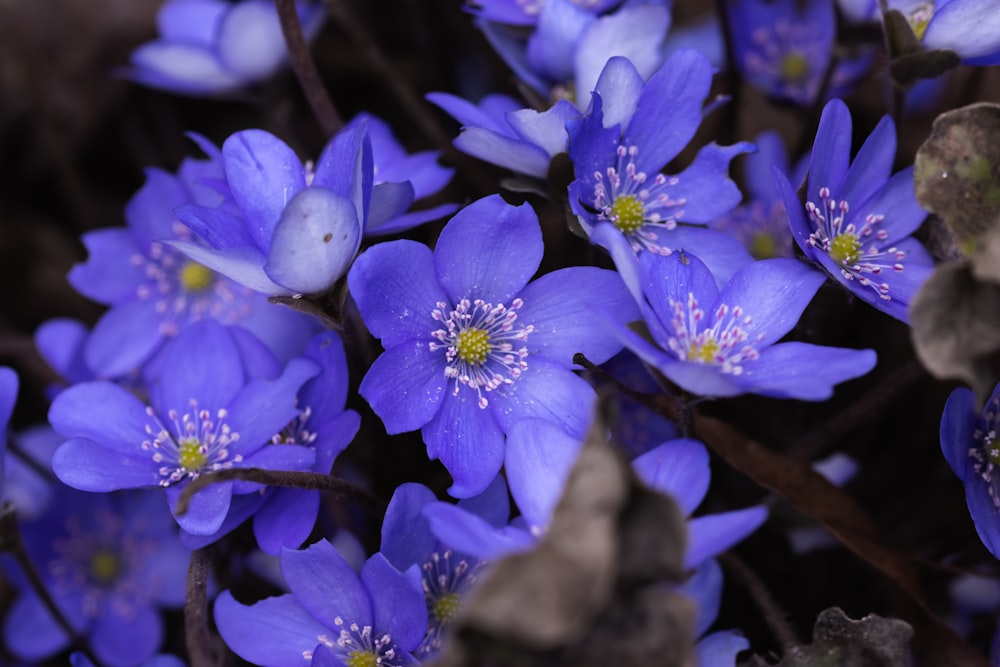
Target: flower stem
[(774, 616), (196, 633), (305, 69), (286, 478)]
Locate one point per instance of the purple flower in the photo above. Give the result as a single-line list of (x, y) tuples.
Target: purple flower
[(214, 46), (969, 442), (331, 617), (784, 48), (210, 410), (153, 291), (858, 220), (499, 131), (527, 12), (284, 517), (565, 53), (111, 561), (293, 230), (447, 575), (471, 346), (632, 130), (724, 342)]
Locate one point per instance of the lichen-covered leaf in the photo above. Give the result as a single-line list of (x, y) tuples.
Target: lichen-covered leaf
[(955, 323), (872, 641), (957, 171)]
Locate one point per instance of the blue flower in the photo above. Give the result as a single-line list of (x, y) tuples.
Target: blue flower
[(724, 343), (760, 224), (527, 12), (447, 575), (153, 291), (111, 562), (213, 46), (206, 413), (565, 53), (470, 345), (293, 230), (539, 459), (284, 517), (858, 220), (332, 616), (500, 132), (784, 48), (969, 442), (970, 28), (632, 130)]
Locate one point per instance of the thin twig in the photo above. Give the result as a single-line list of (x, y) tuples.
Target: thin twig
[(774, 616), (287, 478), (196, 633), (305, 69)]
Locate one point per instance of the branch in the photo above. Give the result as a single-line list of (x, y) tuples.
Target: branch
[(196, 633), (305, 69)]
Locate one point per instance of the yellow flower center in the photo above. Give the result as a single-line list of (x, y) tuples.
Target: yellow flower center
[(191, 456), (446, 607), (845, 248), (104, 567), (763, 246), (920, 17), (704, 352), (358, 658), (628, 213), (195, 277), (473, 345), (794, 67)]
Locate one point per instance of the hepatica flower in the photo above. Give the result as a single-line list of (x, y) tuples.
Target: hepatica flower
[(293, 230), (214, 46), (208, 412), (632, 130), (858, 219), (714, 342), (331, 617), (470, 345), (110, 562), (152, 290), (971, 447)]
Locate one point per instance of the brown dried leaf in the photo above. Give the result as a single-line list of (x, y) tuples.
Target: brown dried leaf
[(591, 593), (955, 326)]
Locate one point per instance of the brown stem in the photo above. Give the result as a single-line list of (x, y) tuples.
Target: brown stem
[(305, 69), (286, 478), (196, 633), (774, 616)]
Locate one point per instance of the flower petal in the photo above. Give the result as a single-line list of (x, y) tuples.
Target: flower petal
[(124, 338), (314, 242), (274, 632), (405, 386), (396, 290), (406, 535), (619, 86), (121, 639), (207, 509), (549, 391), (185, 68), (831, 151), (103, 412), (469, 534), (720, 649), (467, 440), (86, 465), (249, 41), (957, 425), (489, 250), (678, 468), (712, 534), (804, 371), (203, 364), (539, 458), (245, 265), (970, 28), (108, 276), (286, 519), (325, 585), (398, 605), (872, 165)]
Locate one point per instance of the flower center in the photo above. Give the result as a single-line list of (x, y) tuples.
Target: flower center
[(920, 17), (194, 445), (723, 344), (194, 277), (105, 566), (623, 196), (479, 341), (845, 248), (985, 451), (356, 646), (840, 237), (445, 580), (473, 346), (794, 66)]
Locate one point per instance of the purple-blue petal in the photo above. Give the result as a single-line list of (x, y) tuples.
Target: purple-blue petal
[(123, 639), (325, 585), (103, 412), (467, 440), (539, 458), (705, 187), (489, 250), (469, 534), (124, 338), (203, 364), (286, 519), (678, 468), (244, 265), (831, 151), (804, 371), (207, 509), (872, 165), (720, 649), (398, 606), (275, 631), (108, 275), (86, 465), (549, 391), (958, 421), (406, 535), (409, 398), (712, 534)]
